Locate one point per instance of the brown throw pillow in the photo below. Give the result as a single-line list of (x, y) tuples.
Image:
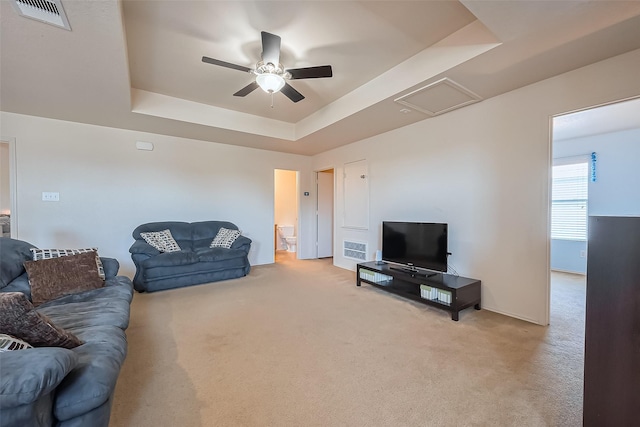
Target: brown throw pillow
[(56, 277), (18, 318)]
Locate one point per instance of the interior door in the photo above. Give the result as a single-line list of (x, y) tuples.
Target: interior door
[(325, 213)]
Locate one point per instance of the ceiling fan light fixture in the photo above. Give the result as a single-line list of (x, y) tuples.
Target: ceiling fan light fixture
[(271, 76), (270, 82)]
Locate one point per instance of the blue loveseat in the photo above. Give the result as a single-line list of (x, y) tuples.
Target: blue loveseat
[(53, 386), (194, 263)]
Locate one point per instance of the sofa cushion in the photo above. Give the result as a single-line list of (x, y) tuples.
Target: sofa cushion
[(18, 318), (117, 287), (214, 259), (11, 343), (56, 277), (224, 238), (107, 306), (220, 255), (205, 231), (93, 379), (99, 416), (161, 240), (13, 253), (19, 284), (29, 374), (170, 259), (39, 254), (110, 266)]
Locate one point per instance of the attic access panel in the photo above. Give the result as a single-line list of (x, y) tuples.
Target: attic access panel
[(439, 97)]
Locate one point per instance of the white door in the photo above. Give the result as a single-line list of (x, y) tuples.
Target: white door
[(325, 214)]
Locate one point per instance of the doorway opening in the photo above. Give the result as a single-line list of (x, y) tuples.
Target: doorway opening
[(285, 214), (324, 211), (8, 202), (592, 174)]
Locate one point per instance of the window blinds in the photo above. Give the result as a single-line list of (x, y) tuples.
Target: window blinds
[(569, 195)]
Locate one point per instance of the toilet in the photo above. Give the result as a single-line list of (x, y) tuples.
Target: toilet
[(286, 233)]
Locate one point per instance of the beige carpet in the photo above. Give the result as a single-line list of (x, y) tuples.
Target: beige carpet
[(296, 343)]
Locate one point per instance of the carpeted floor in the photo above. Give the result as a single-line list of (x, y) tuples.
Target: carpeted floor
[(296, 343)]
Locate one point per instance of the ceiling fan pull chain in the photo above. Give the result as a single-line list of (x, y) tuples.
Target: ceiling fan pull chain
[(271, 99)]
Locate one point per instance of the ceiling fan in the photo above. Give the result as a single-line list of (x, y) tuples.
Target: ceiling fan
[(270, 75)]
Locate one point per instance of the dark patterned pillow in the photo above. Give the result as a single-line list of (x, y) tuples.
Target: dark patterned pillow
[(56, 277), (9, 343), (161, 240), (39, 254), (18, 318), (224, 238)]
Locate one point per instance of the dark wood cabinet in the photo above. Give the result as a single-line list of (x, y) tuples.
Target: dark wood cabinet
[(445, 291), (612, 336)]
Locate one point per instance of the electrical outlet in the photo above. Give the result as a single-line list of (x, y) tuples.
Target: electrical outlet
[(49, 196), (583, 254)]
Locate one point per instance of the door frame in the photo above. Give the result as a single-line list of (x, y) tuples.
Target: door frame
[(549, 192), (13, 184), (333, 214), (298, 210)]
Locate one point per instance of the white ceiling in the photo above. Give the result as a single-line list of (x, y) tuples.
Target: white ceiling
[(137, 64), (615, 117)]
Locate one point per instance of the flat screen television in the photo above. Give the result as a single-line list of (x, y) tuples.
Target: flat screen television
[(415, 245)]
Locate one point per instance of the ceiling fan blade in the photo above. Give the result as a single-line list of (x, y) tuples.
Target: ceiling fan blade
[(291, 93), (247, 89), (270, 48), (225, 64), (311, 72)]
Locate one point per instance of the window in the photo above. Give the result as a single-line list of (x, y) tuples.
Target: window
[(569, 195)]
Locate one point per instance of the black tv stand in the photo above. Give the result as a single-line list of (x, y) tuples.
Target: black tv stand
[(441, 290), (413, 271)]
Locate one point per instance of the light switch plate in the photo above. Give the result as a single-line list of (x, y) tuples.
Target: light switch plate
[(50, 196)]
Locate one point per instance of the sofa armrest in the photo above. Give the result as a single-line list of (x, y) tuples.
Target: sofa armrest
[(243, 243), (30, 374), (111, 267), (142, 247)]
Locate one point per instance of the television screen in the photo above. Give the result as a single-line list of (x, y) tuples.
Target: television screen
[(416, 244)]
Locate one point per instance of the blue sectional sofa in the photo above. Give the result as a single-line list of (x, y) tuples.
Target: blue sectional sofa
[(195, 263), (53, 386)]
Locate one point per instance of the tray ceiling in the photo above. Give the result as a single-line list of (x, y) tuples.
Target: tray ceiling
[(137, 64)]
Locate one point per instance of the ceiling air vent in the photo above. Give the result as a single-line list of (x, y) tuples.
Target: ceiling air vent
[(49, 11), (439, 97)]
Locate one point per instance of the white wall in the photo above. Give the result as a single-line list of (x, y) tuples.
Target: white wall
[(107, 187), (484, 170), (615, 191), (286, 201)]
